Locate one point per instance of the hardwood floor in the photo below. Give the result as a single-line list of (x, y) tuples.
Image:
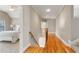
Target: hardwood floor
[(53, 45)]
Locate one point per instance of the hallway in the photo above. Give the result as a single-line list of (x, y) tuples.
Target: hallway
[(57, 19)]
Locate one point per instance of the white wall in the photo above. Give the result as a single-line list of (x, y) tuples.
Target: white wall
[(29, 22), (35, 24), (63, 23), (75, 23), (24, 36), (51, 25), (16, 15), (75, 28)]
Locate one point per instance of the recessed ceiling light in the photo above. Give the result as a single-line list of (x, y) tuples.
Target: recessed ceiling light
[(48, 10)]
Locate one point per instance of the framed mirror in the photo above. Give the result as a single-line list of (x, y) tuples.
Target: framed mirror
[(5, 21)]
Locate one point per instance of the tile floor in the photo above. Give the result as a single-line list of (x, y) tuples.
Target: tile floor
[(8, 47)]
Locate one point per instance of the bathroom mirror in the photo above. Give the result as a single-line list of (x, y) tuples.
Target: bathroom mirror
[(5, 21)]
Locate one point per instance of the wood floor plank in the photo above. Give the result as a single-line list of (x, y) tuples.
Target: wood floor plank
[(53, 45)]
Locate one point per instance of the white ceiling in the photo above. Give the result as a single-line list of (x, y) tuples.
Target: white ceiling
[(55, 10)]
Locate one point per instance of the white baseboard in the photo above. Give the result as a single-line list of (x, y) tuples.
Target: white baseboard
[(63, 40)]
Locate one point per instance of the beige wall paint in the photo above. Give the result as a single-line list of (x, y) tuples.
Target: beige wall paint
[(63, 23)]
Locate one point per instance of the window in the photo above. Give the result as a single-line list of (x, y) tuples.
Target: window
[(1, 25)]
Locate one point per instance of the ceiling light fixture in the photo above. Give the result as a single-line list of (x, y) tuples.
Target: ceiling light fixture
[(48, 10), (11, 8)]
